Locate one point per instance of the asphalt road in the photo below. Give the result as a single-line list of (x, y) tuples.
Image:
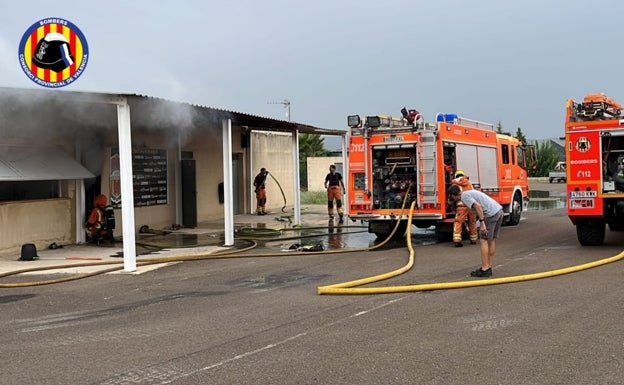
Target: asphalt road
[(260, 320)]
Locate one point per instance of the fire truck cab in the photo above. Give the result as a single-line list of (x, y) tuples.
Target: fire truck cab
[(594, 137), (395, 161)]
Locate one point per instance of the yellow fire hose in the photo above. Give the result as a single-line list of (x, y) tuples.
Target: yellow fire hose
[(350, 287)]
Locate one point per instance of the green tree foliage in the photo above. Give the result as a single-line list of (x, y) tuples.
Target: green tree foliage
[(499, 128), (520, 136), (547, 158), (309, 145)]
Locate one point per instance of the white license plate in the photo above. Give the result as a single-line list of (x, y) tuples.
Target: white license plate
[(583, 194)]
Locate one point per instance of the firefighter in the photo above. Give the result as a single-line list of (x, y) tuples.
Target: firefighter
[(333, 182), (260, 190), (101, 222), (462, 212)]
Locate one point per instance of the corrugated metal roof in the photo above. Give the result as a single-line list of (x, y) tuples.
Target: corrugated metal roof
[(21, 163), (201, 114), (245, 119)]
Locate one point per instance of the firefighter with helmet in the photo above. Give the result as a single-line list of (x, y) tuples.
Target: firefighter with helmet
[(462, 212)]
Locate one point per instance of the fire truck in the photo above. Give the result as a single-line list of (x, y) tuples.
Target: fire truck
[(594, 137), (393, 161)]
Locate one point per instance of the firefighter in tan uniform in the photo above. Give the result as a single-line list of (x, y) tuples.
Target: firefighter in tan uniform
[(333, 182), (462, 212)]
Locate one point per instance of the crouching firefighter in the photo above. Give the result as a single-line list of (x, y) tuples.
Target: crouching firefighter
[(462, 212), (101, 221), (333, 184)]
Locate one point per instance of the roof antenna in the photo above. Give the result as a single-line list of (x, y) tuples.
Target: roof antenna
[(286, 104)]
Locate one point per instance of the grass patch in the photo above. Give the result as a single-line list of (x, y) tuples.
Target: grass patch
[(313, 197)]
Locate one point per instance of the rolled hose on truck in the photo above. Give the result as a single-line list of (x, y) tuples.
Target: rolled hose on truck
[(344, 288)]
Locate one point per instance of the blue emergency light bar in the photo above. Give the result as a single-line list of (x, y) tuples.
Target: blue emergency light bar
[(446, 118)]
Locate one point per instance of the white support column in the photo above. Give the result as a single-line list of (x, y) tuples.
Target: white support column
[(228, 209), (252, 174), (79, 199), (127, 192), (296, 188), (81, 212), (345, 175)]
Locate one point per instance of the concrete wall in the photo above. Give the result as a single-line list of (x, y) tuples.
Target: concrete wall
[(38, 221), (273, 151), (318, 168)]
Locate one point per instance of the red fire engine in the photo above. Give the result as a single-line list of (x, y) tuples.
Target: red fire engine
[(594, 136), (396, 159)]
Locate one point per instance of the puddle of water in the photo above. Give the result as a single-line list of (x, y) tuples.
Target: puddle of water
[(330, 237), (351, 238)]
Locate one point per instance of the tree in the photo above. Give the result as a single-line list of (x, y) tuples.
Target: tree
[(499, 128), (309, 145), (547, 158), (520, 136)]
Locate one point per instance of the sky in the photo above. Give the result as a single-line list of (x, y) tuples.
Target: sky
[(510, 61)]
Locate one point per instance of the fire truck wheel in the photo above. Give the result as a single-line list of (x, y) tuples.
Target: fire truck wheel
[(590, 232), (516, 211)]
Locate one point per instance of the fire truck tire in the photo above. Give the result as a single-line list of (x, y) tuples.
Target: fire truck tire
[(515, 211), (590, 232)]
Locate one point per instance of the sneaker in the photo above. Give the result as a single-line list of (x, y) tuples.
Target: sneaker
[(331, 217), (481, 273), (473, 242), (459, 244)]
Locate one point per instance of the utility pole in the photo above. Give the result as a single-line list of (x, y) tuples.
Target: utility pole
[(286, 104)]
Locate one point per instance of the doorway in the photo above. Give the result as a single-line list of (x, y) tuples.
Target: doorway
[(189, 193)]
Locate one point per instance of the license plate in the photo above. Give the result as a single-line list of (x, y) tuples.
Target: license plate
[(581, 203), (583, 194)]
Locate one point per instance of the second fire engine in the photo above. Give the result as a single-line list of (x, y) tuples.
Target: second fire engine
[(594, 134), (394, 161)]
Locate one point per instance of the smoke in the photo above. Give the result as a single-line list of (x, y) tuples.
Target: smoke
[(55, 115), (175, 120)]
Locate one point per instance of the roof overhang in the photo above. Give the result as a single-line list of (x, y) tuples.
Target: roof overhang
[(85, 109), (27, 163)]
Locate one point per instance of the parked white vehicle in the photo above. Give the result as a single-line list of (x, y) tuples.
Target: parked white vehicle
[(558, 173)]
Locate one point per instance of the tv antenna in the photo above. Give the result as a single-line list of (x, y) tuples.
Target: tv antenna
[(286, 104)]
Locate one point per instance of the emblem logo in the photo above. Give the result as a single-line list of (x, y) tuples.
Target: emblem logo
[(582, 144), (53, 52)]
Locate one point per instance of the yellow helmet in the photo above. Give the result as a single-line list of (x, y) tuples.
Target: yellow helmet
[(459, 173)]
